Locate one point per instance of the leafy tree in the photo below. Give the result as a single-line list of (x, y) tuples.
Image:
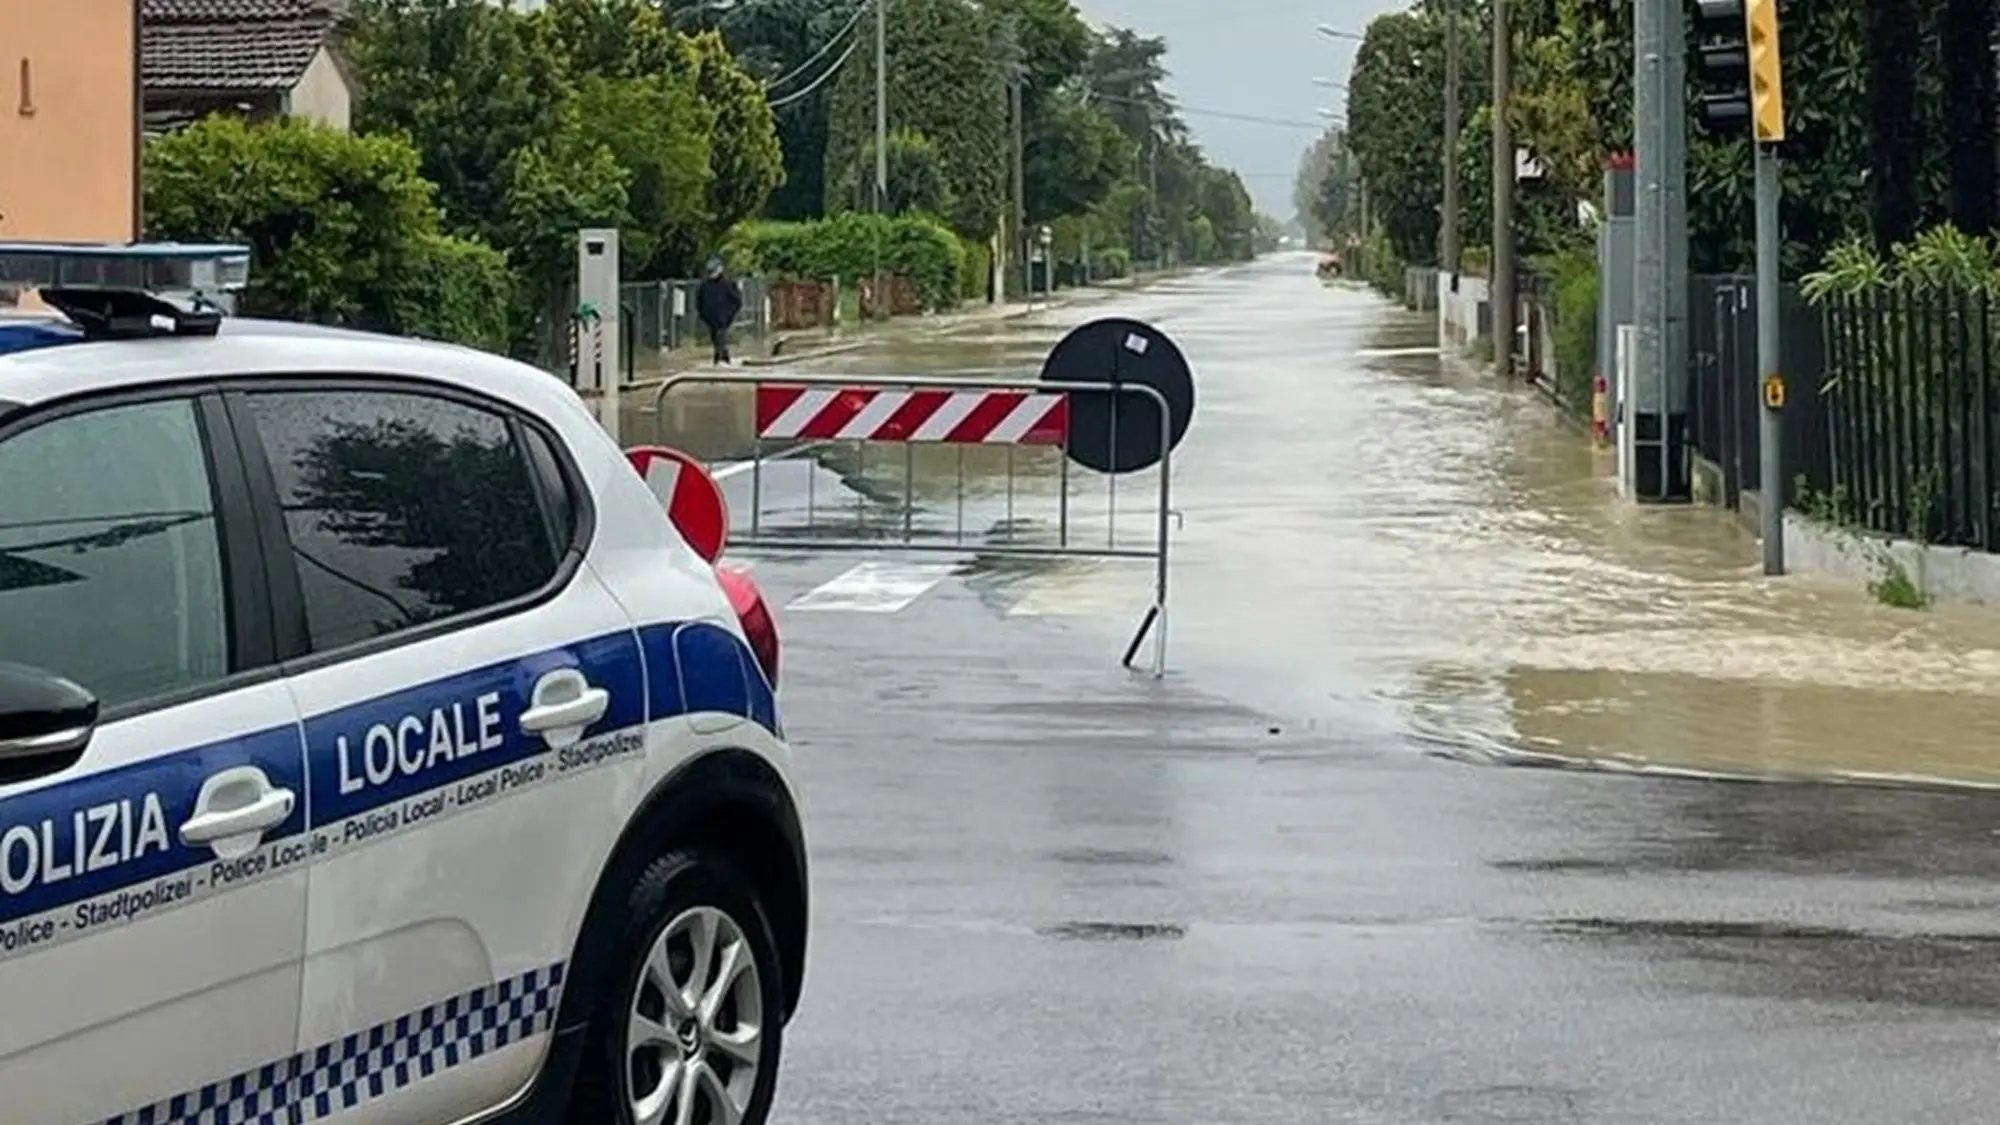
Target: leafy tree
[(785, 44), (943, 82), (1395, 125), (343, 229), (1073, 155), (916, 174), (745, 163), (1072, 151), (652, 127)]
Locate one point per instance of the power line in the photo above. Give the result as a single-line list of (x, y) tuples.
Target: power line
[(822, 80), (787, 78), (1226, 115)]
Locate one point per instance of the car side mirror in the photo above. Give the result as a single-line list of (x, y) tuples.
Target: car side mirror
[(46, 722)]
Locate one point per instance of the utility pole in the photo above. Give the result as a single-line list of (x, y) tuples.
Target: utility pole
[(1767, 117), (1448, 232), (1501, 285), (881, 136), (1020, 192)]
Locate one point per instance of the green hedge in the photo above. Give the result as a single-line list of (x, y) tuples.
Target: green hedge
[(454, 289), (977, 271), (342, 229), (1575, 275), (846, 248)]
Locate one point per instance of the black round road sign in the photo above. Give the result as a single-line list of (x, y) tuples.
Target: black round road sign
[(1119, 431)]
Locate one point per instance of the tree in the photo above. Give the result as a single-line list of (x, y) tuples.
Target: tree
[(943, 82), (745, 163), (342, 229), (1073, 155), (652, 126), (916, 174), (1395, 128), (788, 45), (1073, 152)]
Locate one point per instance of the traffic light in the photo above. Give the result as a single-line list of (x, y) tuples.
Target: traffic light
[(1722, 63), (1767, 74), (1737, 61)]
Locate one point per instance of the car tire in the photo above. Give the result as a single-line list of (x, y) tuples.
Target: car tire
[(643, 1054)]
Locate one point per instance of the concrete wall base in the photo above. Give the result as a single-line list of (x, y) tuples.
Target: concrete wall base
[(1947, 574)]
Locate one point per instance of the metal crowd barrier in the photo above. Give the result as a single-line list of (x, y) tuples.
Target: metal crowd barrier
[(801, 416)]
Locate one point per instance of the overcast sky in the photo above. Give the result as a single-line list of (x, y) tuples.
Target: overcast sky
[(1256, 58)]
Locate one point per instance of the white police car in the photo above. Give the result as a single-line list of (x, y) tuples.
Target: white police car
[(372, 749)]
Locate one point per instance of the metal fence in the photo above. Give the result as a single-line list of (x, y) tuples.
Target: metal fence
[(663, 316), (1724, 403), (1909, 419)]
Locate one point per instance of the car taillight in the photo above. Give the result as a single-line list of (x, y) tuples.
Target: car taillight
[(759, 626)]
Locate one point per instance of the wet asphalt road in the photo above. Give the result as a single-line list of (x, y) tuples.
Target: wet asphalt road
[(1050, 891)]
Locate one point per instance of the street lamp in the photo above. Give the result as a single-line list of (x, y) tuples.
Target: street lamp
[(1332, 32), (1329, 84)]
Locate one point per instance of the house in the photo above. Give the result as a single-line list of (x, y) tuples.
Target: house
[(69, 120), (263, 58)]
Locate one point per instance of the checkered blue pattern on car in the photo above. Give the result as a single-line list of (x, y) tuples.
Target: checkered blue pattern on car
[(338, 1076)]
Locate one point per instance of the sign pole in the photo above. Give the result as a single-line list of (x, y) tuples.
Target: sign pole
[(1770, 429)]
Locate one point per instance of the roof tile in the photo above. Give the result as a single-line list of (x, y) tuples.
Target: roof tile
[(220, 45)]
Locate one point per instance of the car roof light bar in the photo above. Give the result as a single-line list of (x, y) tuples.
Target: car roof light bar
[(165, 268)]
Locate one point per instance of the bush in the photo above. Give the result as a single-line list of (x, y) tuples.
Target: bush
[(454, 289), (1575, 275), (1112, 263), (977, 270), (342, 229), (1384, 269), (846, 248)]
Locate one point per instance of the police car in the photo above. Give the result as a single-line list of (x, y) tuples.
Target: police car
[(372, 749)]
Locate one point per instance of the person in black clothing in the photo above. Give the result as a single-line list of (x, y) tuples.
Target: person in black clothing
[(717, 302)]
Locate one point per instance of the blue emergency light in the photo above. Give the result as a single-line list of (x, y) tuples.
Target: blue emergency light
[(131, 291)]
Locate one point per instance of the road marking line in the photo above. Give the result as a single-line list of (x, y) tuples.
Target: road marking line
[(1394, 353), (875, 587)]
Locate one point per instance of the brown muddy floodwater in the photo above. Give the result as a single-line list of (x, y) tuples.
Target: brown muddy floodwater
[(1396, 527)]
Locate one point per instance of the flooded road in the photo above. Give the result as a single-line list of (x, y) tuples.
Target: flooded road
[(1047, 890), (1369, 532)]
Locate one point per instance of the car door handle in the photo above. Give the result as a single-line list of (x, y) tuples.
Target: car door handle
[(266, 811), (562, 706), (580, 712)]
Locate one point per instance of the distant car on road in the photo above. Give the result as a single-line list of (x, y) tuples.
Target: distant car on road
[(372, 748)]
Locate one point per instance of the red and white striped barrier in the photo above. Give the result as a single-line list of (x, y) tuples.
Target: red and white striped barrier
[(991, 417)]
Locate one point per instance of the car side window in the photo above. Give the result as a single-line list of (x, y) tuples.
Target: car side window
[(111, 570), (402, 508)]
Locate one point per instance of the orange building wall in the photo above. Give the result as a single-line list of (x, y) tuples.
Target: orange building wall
[(69, 139)]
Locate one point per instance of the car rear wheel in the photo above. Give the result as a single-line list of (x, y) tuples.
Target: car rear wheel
[(692, 1033)]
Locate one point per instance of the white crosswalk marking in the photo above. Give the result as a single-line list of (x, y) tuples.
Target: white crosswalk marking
[(875, 587)]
